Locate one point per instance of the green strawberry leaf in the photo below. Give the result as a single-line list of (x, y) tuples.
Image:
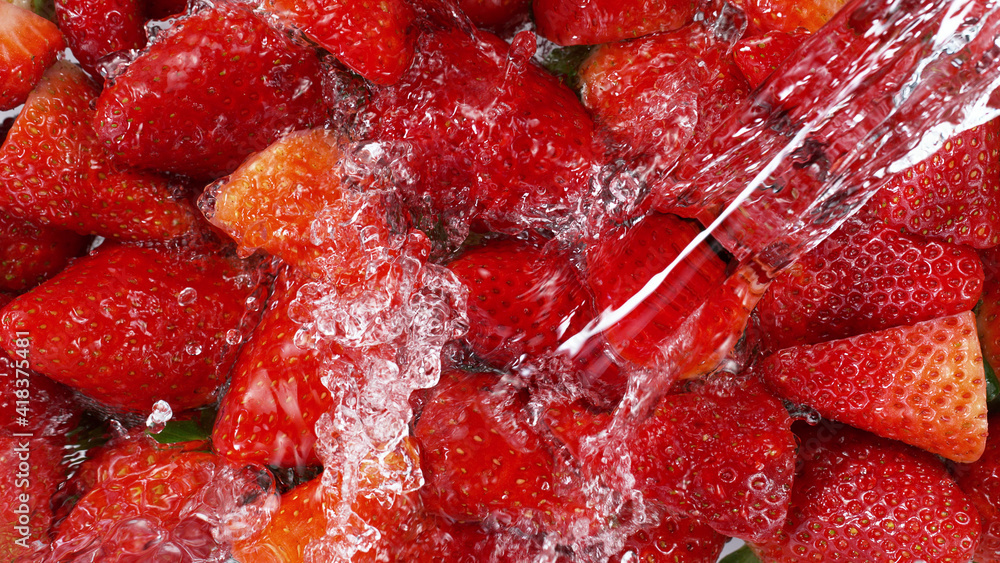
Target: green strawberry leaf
[(741, 555), (564, 62), (189, 430), (992, 385)]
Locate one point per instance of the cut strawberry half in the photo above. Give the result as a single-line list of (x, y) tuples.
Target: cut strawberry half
[(29, 44)]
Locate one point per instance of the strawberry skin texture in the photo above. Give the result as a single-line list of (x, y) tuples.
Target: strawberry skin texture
[(981, 481), (95, 28), (299, 520), (864, 278), (279, 196), (496, 15), (29, 44), (28, 493), (674, 539), (922, 384), (760, 55), (454, 101), (241, 84), (275, 398), (580, 22), (375, 40), (790, 16), (30, 254), (862, 498), (954, 195), (54, 172), (658, 93), (522, 300), (625, 259), (129, 326)]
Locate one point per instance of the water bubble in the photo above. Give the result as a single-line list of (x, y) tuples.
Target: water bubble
[(193, 349), (187, 296), (158, 418), (234, 337)]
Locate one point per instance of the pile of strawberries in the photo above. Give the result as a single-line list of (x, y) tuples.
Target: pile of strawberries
[(309, 280)]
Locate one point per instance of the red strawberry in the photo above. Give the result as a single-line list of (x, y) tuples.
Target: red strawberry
[(496, 15), (129, 325), (481, 460), (861, 498), (299, 520), (163, 9), (242, 84), (791, 15), (981, 481), (296, 200), (864, 278), (53, 170), (759, 56), (31, 403), (722, 453), (29, 44), (97, 28), (659, 93), (953, 195), (922, 384), (275, 397), (29, 254), (465, 92), (582, 22), (523, 300), (377, 42), (30, 472), (158, 503), (444, 541), (674, 539), (988, 315), (624, 261)]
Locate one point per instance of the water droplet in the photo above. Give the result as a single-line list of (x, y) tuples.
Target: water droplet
[(193, 349), (233, 337), (158, 418), (187, 296)]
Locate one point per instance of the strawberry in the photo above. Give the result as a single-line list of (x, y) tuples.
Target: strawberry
[(954, 195), (625, 259), (97, 28), (466, 91), (299, 520), (30, 471), (722, 453), (988, 314), (30, 254), (579, 22), (296, 200), (760, 55), (497, 16), (129, 326), (676, 539), (269, 413), (53, 170), (242, 84), (864, 278), (444, 541), (791, 16), (659, 93), (376, 42), (523, 300), (31, 403), (922, 384), (163, 9), (481, 460), (29, 44), (861, 498), (981, 481), (150, 502)]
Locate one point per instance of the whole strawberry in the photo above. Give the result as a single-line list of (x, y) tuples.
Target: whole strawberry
[(981, 481), (98, 28), (240, 82), (582, 22), (30, 254), (32, 470), (130, 325)]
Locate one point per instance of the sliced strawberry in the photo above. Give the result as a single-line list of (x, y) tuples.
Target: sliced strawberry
[(582, 22), (240, 82), (722, 453), (465, 92), (759, 56), (53, 170), (522, 301), (29, 44), (625, 260), (269, 413), (97, 28), (659, 93), (130, 325), (862, 498), (922, 384), (296, 200), (376, 42), (953, 195), (482, 460), (29, 254), (675, 539), (791, 15), (30, 472), (981, 481), (864, 278), (158, 503)]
